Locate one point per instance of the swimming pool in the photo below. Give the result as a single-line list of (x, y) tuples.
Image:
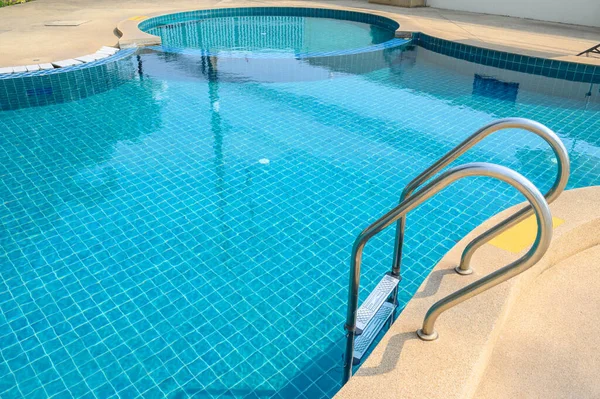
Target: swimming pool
[(186, 230), (271, 31)]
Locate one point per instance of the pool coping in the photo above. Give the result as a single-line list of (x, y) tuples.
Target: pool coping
[(108, 59), (132, 36), (70, 83)]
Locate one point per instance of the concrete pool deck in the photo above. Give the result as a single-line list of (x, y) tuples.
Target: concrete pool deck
[(25, 39)]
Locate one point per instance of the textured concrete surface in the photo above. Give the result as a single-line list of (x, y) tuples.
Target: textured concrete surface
[(402, 366), (550, 346), (24, 38)]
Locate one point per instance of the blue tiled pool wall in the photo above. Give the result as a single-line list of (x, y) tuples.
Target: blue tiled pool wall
[(390, 44), (500, 59), (262, 11), (31, 89)]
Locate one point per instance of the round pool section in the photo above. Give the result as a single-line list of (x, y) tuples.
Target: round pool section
[(272, 30)]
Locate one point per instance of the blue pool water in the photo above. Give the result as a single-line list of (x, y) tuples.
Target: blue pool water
[(188, 232)]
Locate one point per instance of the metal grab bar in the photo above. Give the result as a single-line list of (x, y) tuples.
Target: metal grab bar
[(557, 188), (473, 169)]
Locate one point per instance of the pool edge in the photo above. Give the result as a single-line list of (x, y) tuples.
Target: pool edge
[(453, 366), (132, 36)]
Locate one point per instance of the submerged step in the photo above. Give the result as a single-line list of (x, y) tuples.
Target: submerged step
[(376, 298), (363, 341)]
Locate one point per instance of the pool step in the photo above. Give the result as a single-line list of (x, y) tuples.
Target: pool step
[(374, 301), (363, 341)]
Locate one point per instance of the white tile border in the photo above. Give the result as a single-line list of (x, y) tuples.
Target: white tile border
[(108, 50), (66, 63), (85, 58), (99, 56), (103, 52)]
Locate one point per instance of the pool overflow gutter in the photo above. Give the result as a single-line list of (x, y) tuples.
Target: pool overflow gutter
[(364, 324)]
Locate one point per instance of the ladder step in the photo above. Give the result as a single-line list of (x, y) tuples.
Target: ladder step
[(362, 342), (371, 305)]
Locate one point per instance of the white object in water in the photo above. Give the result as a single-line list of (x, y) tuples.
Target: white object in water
[(65, 63), (264, 161), (98, 55), (85, 58), (108, 50), (216, 106)]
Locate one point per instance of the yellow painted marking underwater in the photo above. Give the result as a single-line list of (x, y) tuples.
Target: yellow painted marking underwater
[(521, 236), (138, 18)]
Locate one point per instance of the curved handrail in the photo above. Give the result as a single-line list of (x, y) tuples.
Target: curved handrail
[(557, 188), (473, 169)]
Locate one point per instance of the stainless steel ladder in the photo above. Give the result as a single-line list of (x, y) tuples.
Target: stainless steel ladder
[(364, 324)]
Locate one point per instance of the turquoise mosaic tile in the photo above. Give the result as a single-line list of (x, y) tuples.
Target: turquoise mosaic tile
[(381, 47)]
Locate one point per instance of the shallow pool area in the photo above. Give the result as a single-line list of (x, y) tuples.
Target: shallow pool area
[(271, 31), (285, 34), (187, 231)]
